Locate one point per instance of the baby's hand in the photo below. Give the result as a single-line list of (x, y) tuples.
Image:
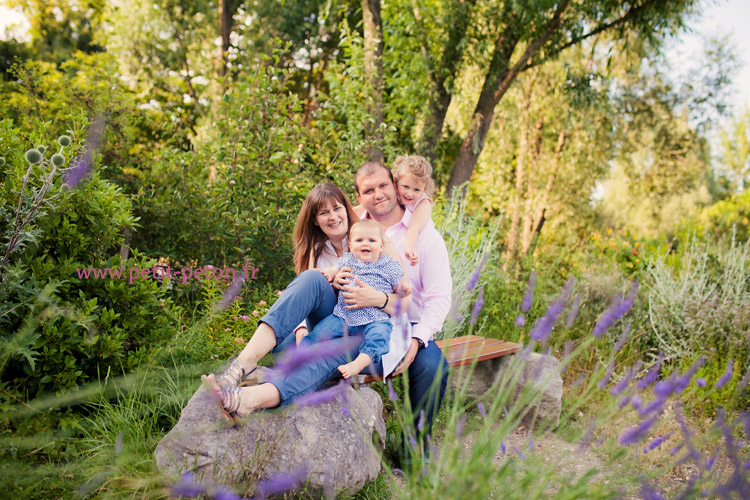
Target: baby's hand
[(404, 288), (411, 255), (329, 273)]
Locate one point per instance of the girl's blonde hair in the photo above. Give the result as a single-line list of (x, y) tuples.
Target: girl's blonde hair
[(309, 238), (416, 166)]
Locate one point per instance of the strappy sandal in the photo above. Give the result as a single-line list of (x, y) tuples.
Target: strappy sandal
[(228, 400), (235, 376)]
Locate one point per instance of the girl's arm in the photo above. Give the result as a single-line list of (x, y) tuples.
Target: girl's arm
[(404, 287), (419, 220)]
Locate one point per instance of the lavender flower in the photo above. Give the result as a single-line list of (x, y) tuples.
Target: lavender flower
[(519, 452), (481, 409), (528, 297), (652, 374), (320, 397), (460, 426), (637, 402), (502, 447), (616, 310), (474, 278), (420, 423), (607, 375), (727, 375), (477, 306), (292, 359), (391, 392), (701, 382), (656, 442), (222, 492), (543, 326), (412, 441), (676, 449), (638, 432), (285, 481), (229, 295), (625, 382), (649, 493), (573, 313), (345, 411), (84, 163), (531, 442), (623, 402), (655, 405), (624, 336), (520, 320), (188, 486)]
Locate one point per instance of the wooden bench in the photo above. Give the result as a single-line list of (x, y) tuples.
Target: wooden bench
[(464, 350)]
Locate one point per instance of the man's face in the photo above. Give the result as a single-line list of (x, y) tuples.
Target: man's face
[(377, 193)]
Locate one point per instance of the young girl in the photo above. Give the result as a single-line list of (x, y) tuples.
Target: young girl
[(414, 186)]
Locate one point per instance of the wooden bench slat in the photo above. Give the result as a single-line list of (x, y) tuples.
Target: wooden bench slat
[(463, 350)]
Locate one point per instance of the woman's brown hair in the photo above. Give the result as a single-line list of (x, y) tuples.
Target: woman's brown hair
[(309, 238)]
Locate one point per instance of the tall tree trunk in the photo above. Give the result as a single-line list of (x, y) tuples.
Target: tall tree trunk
[(226, 23), (511, 246), (373, 31), (541, 210), (497, 82), (446, 70), (533, 168)]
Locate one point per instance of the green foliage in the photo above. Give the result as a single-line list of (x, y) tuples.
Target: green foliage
[(724, 219)]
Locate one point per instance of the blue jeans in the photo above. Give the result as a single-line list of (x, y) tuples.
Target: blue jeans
[(309, 296), (377, 335)]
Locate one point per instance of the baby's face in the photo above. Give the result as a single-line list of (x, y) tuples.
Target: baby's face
[(365, 243), (409, 189)]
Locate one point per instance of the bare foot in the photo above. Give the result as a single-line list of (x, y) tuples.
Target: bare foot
[(349, 370)]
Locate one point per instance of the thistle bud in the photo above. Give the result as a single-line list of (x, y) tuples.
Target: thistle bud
[(2, 161), (58, 160), (41, 148), (63, 141), (65, 188), (33, 156)]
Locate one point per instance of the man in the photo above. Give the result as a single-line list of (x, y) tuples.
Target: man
[(431, 295)]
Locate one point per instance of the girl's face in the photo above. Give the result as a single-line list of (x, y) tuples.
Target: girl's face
[(409, 189), (332, 219)]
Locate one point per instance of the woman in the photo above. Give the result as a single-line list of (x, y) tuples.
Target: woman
[(320, 239)]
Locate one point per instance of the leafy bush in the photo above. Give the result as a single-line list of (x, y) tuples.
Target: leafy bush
[(60, 329), (699, 304)]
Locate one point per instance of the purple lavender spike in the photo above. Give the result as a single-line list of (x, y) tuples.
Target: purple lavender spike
[(543, 326), (638, 432), (85, 162), (573, 313), (481, 409), (520, 320), (460, 426), (420, 423), (519, 452), (625, 382), (477, 306), (652, 374), (229, 295), (727, 375), (292, 359), (616, 310), (528, 297), (654, 406), (320, 397), (474, 278), (188, 486), (412, 441), (391, 392), (624, 337), (280, 483), (649, 493), (701, 382), (607, 375), (656, 442), (637, 402), (222, 492), (676, 449)]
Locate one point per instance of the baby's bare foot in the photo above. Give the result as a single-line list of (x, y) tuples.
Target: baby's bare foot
[(348, 370)]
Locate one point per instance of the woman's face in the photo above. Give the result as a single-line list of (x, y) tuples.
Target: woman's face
[(332, 219)]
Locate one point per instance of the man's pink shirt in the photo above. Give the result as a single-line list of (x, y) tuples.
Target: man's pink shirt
[(430, 278)]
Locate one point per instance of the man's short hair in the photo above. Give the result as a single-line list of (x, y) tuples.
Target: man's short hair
[(370, 168)]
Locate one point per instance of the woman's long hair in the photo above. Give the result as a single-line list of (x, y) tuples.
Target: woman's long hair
[(309, 238)]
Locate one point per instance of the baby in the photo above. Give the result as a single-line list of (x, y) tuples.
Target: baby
[(414, 186), (380, 272)]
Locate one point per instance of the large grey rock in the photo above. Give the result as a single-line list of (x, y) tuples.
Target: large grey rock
[(339, 449), (536, 375)]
